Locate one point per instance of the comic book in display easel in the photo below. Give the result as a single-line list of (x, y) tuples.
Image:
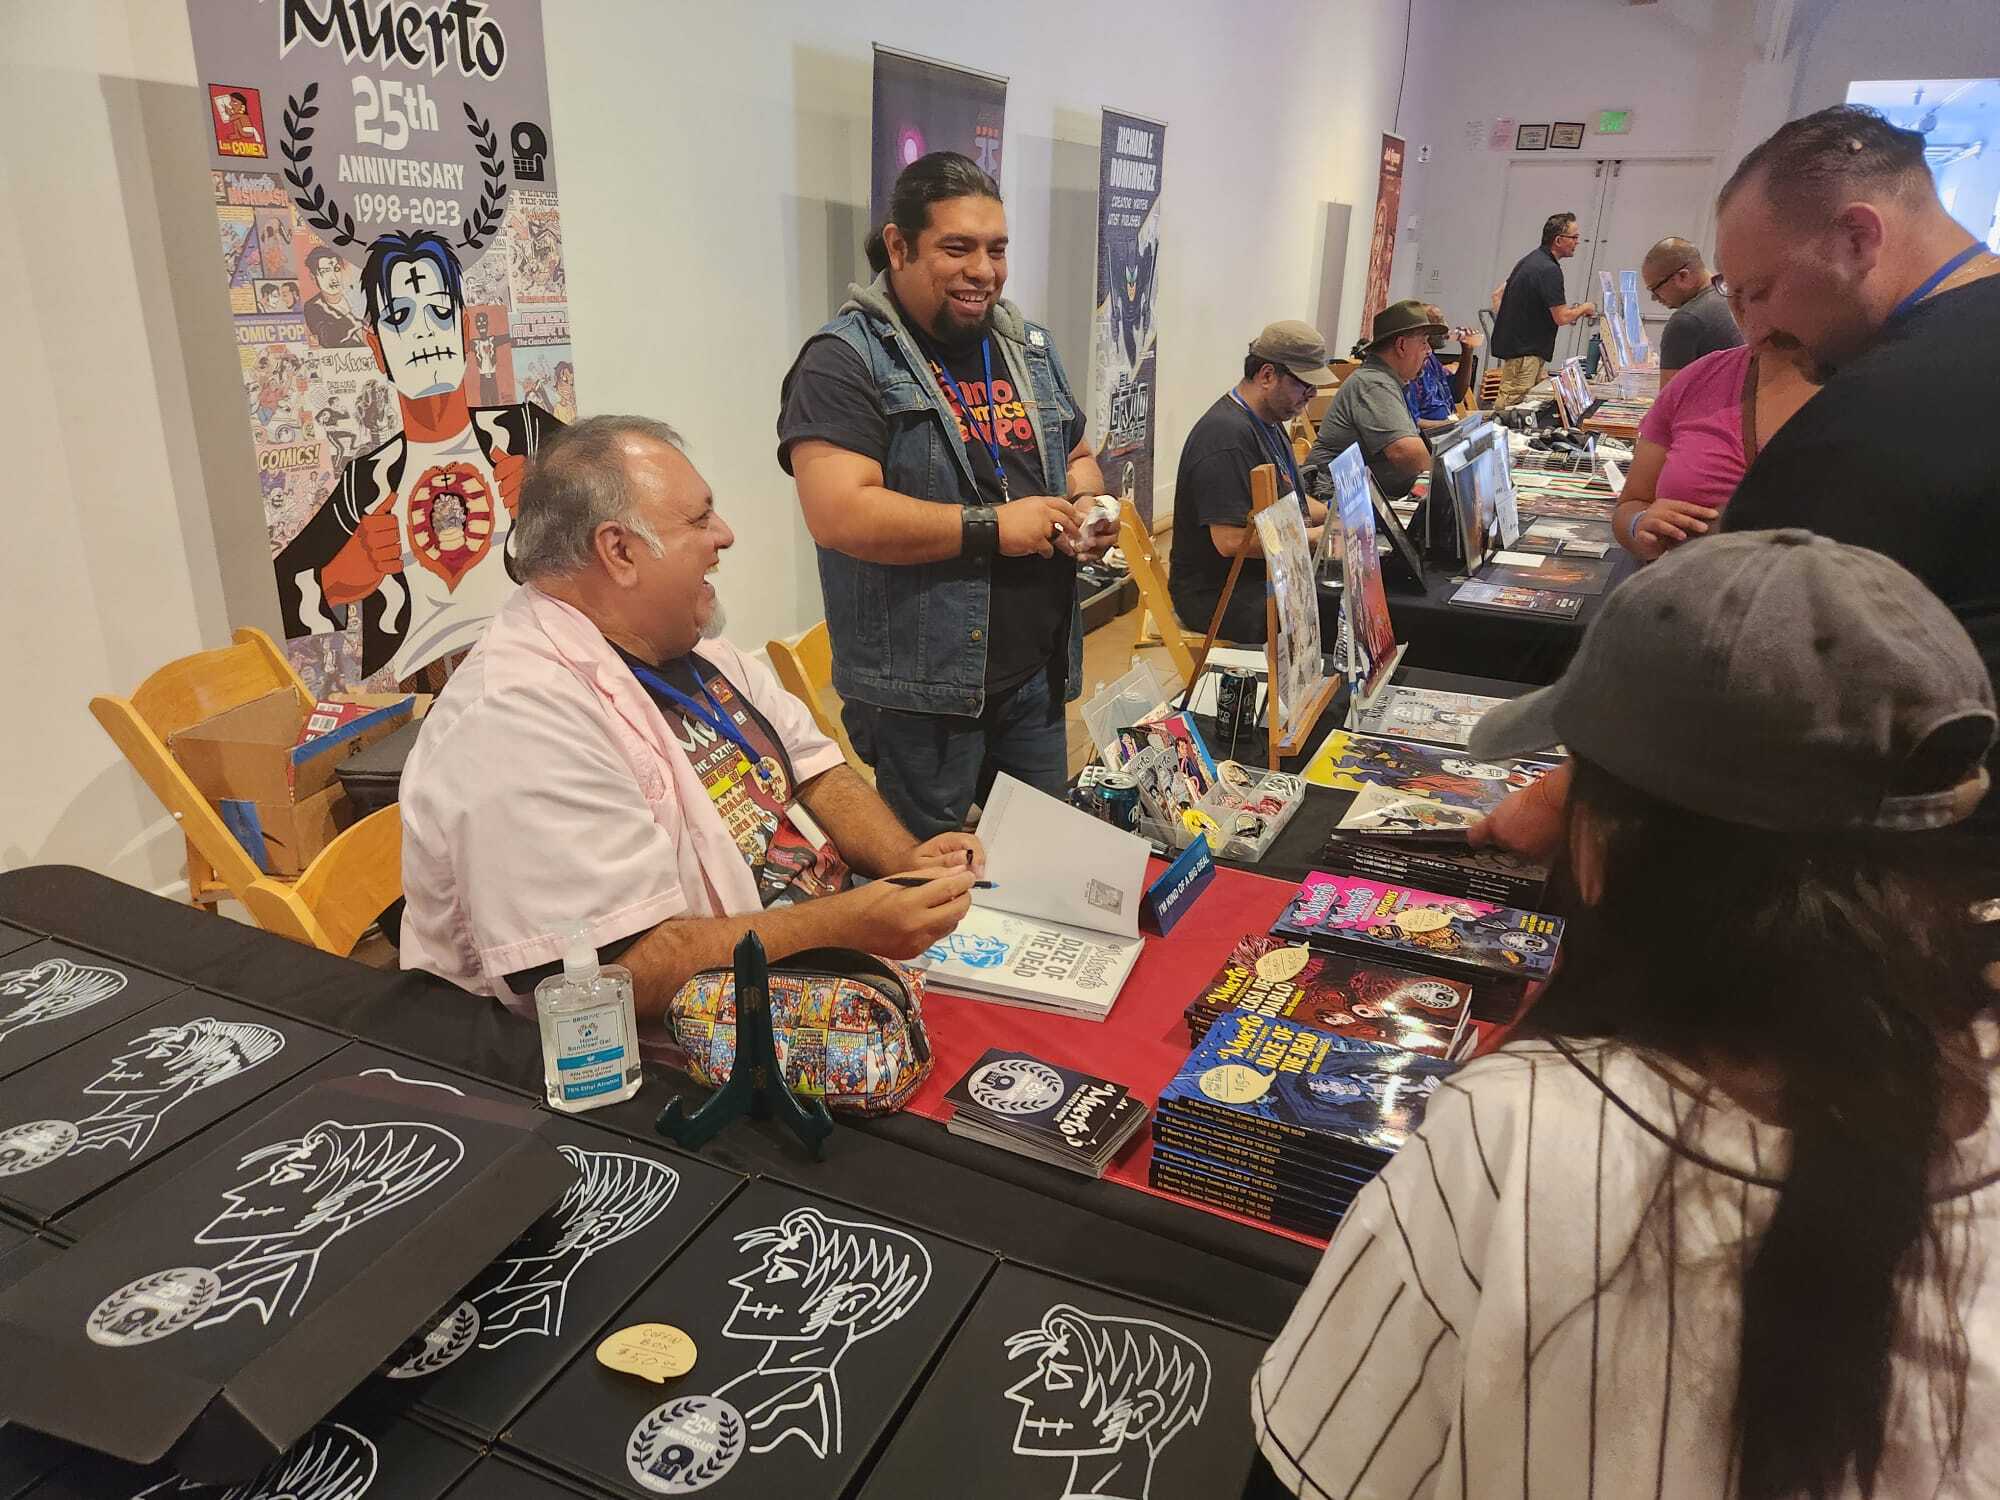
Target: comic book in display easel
[(1372, 648), (1300, 686)]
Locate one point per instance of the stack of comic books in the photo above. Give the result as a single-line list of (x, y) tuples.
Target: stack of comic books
[(1017, 1102), (1286, 1123), (1349, 997), (1413, 839), (1453, 936)]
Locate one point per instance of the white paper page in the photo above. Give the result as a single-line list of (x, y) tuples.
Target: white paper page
[(1519, 559), (1049, 860), (1614, 476)]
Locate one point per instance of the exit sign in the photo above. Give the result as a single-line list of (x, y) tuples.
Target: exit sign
[(1614, 121)]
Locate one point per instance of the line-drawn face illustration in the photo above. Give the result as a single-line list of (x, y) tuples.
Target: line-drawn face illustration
[(417, 322), (52, 989), (971, 949), (332, 1462), (1105, 1388)]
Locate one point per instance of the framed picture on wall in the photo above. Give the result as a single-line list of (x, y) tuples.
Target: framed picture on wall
[(1566, 135), (1532, 138)]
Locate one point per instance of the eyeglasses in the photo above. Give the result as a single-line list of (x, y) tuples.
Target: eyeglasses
[(1655, 287)]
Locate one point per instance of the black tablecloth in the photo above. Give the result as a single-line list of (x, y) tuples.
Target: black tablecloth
[(902, 1166)]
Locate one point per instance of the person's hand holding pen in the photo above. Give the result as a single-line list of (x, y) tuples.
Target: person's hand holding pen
[(950, 851)]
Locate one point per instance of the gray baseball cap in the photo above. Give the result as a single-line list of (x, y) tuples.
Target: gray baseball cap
[(1297, 347), (1775, 679)]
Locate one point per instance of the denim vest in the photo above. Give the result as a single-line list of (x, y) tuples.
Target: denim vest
[(913, 636)]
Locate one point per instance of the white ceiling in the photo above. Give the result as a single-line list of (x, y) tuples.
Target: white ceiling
[(1968, 110)]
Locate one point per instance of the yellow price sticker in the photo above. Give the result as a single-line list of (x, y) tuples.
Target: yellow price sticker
[(654, 1351)]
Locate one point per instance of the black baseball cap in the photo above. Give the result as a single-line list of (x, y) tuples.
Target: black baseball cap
[(1774, 679)]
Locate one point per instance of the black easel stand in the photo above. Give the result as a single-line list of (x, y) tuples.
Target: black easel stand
[(756, 1085)]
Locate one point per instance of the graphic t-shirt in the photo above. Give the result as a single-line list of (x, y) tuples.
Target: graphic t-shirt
[(453, 524), (757, 809), (832, 398)]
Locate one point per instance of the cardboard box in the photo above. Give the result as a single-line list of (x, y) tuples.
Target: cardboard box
[(252, 753), (219, 1318), (283, 837)]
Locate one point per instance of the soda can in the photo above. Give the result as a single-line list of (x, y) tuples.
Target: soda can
[(1117, 797), (1235, 704)]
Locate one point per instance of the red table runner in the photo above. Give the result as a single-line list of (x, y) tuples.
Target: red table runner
[(1143, 1042)]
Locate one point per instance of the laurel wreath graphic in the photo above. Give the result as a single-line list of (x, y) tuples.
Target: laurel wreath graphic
[(639, 1450), (325, 212)]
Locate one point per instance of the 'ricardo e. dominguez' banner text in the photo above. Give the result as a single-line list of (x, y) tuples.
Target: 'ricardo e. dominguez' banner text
[(385, 186), (1123, 368)]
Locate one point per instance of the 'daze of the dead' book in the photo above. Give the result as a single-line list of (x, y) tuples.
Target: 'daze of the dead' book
[(1425, 929), (1348, 762), (1372, 839), (224, 1314), (813, 1323), (1350, 997), (1020, 1103), (1056, 1389)]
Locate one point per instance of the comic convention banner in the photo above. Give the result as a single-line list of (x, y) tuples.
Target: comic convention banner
[(1382, 243), (1123, 364), (385, 187), (923, 106)]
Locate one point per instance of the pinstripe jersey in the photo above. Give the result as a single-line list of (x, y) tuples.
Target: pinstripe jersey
[(1490, 1319)]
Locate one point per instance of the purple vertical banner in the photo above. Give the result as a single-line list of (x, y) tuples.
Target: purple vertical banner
[(1124, 370), (923, 106), (384, 180)]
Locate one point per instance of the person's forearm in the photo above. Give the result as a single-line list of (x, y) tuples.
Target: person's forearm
[(879, 525), (1624, 518), (681, 947), (1085, 478), (853, 815)]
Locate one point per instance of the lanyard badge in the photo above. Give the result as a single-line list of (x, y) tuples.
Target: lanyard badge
[(1286, 459), (712, 716)]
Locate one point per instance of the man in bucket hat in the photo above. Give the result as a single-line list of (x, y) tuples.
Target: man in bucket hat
[(1369, 408)]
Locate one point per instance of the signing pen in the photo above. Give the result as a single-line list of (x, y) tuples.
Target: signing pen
[(916, 880)]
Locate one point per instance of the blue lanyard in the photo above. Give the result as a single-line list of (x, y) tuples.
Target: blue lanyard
[(1936, 278), (992, 434), (712, 716), (1286, 456)]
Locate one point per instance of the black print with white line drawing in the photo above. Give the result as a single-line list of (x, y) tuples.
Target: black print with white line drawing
[(304, 1195), (615, 1195), (333, 1462), (164, 1067), (822, 1285), (1015, 1086), (1108, 1394), (51, 990)]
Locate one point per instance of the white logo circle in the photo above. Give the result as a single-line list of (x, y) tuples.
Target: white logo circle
[(34, 1144), (685, 1445), (443, 1342), (1015, 1086), (1428, 994), (153, 1307)]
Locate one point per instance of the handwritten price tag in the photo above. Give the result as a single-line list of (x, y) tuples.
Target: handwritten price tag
[(653, 1351)]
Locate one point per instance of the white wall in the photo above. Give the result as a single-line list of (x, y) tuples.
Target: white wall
[(715, 182), (1865, 39)]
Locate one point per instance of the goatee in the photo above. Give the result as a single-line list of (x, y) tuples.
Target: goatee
[(717, 622)]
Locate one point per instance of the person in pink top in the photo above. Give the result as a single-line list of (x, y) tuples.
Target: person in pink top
[(604, 757), (1697, 443)]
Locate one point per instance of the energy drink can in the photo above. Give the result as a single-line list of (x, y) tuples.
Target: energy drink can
[(1235, 704), (1117, 797)]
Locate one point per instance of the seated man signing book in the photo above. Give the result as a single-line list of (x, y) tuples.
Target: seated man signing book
[(604, 757)]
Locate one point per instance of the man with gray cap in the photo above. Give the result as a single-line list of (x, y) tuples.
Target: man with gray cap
[(1245, 428), (1675, 274), (1369, 407)]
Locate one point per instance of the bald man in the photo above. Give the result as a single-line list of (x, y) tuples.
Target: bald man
[(1673, 271)]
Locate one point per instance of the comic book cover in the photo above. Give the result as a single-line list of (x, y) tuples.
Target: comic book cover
[(1565, 575), (1348, 996), (1348, 762), (1371, 839), (1411, 713), (1426, 929), (1474, 594)]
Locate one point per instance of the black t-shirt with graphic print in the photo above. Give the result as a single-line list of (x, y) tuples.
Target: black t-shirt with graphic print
[(831, 397)]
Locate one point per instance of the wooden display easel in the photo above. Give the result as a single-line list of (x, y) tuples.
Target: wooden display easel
[(1263, 495)]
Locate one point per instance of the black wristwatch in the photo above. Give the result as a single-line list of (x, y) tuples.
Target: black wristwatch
[(979, 531)]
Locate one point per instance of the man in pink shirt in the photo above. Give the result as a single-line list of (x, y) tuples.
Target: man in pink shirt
[(604, 757)]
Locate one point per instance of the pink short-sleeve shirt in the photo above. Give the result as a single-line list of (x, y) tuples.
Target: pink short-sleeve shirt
[(1699, 421), (545, 789)]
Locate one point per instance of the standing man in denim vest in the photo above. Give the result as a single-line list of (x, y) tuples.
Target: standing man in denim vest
[(943, 467)]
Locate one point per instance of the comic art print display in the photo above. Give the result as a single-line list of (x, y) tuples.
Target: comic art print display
[(1382, 238), (1124, 358), (386, 200)]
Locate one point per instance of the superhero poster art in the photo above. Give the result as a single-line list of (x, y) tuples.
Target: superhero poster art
[(400, 309), (1124, 357)]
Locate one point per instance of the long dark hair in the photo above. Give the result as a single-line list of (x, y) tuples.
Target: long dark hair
[(935, 178), (1842, 967)]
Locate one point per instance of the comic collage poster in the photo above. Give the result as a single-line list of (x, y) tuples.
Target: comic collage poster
[(923, 106), (386, 202), (1382, 241), (1124, 358)]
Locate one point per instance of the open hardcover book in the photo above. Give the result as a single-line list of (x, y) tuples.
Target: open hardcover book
[(1059, 931)]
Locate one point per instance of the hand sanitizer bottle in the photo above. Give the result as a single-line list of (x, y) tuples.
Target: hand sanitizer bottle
[(590, 1033)]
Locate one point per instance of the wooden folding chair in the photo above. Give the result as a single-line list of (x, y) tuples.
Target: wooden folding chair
[(341, 893), (804, 665), (180, 694)]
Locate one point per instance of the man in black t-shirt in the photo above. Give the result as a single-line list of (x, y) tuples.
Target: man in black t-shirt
[(1533, 305), (1245, 427), (940, 458), (1831, 240)]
